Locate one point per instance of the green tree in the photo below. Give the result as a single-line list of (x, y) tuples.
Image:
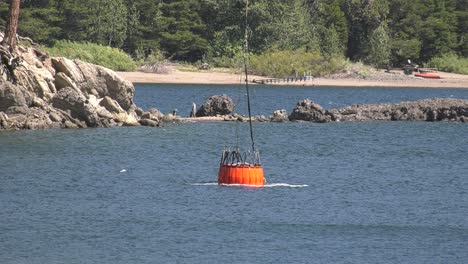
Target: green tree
[(108, 22), (182, 30), (462, 15), (364, 17), (379, 47), (404, 29), (332, 26)]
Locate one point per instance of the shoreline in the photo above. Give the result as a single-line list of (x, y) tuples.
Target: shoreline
[(380, 79)]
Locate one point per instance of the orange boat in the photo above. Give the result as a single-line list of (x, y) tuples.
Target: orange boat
[(428, 75)]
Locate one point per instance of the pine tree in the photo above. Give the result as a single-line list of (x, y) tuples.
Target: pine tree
[(9, 39), (182, 30)]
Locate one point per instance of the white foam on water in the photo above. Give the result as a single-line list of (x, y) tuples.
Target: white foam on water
[(124, 170), (270, 185), (204, 184)]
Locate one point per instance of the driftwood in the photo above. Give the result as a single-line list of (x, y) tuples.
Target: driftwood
[(9, 59)]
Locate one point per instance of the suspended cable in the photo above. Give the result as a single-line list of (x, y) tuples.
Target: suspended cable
[(238, 167), (246, 52)]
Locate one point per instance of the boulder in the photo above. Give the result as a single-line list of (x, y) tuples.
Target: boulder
[(216, 105), (4, 121), (106, 83), (155, 112), (69, 99), (279, 116), (261, 118), (12, 95), (307, 110), (53, 91), (62, 81), (438, 109), (69, 124), (111, 105), (69, 68), (148, 122)]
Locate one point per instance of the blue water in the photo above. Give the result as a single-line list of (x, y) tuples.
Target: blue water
[(370, 192), (270, 98)]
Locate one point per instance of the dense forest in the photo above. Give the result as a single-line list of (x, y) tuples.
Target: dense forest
[(376, 32)]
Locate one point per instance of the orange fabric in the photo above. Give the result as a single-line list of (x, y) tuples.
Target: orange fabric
[(241, 174), (428, 75)]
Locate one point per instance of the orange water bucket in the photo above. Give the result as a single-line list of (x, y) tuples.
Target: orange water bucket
[(241, 168), (241, 174)]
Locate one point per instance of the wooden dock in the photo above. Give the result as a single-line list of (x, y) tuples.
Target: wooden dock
[(283, 80)]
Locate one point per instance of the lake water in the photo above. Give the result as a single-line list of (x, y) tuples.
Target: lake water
[(370, 192)]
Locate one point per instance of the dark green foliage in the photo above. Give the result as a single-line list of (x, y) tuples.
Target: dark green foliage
[(377, 32), (108, 57), (182, 30), (450, 63)]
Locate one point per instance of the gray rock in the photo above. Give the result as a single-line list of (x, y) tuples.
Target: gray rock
[(38, 102), (51, 91), (12, 95), (62, 81), (438, 109), (69, 68), (55, 117), (149, 116), (21, 110), (69, 99), (106, 83), (280, 116), (216, 105), (4, 121), (155, 112), (307, 110), (69, 124), (139, 111), (148, 122), (261, 118), (111, 105)]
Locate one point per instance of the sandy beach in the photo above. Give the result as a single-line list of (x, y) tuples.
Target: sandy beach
[(395, 78)]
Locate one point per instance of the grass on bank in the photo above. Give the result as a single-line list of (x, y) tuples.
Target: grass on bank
[(450, 63), (285, 63), (108, 57)]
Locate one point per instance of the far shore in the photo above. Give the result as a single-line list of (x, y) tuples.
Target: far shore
[(395, 78)]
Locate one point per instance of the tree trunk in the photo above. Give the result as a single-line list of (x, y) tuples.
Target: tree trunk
[(9, 40)]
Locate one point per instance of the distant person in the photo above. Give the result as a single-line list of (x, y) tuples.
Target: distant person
[(194, 109), (174, 112)]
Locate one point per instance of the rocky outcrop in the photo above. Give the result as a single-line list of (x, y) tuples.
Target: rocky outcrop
[(279, 116), (216, 105), (307, 110), (62, 93), (11, 95), (438, 109)]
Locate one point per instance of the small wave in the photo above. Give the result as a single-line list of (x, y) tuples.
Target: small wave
[(204, 184), (270, 185)]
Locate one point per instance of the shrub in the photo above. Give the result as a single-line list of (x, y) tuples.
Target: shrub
[(108, 57), (285, 63), (450, 63), (155, 63)]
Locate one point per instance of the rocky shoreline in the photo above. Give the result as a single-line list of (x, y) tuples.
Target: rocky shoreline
[(436, 109), (60, 93)]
